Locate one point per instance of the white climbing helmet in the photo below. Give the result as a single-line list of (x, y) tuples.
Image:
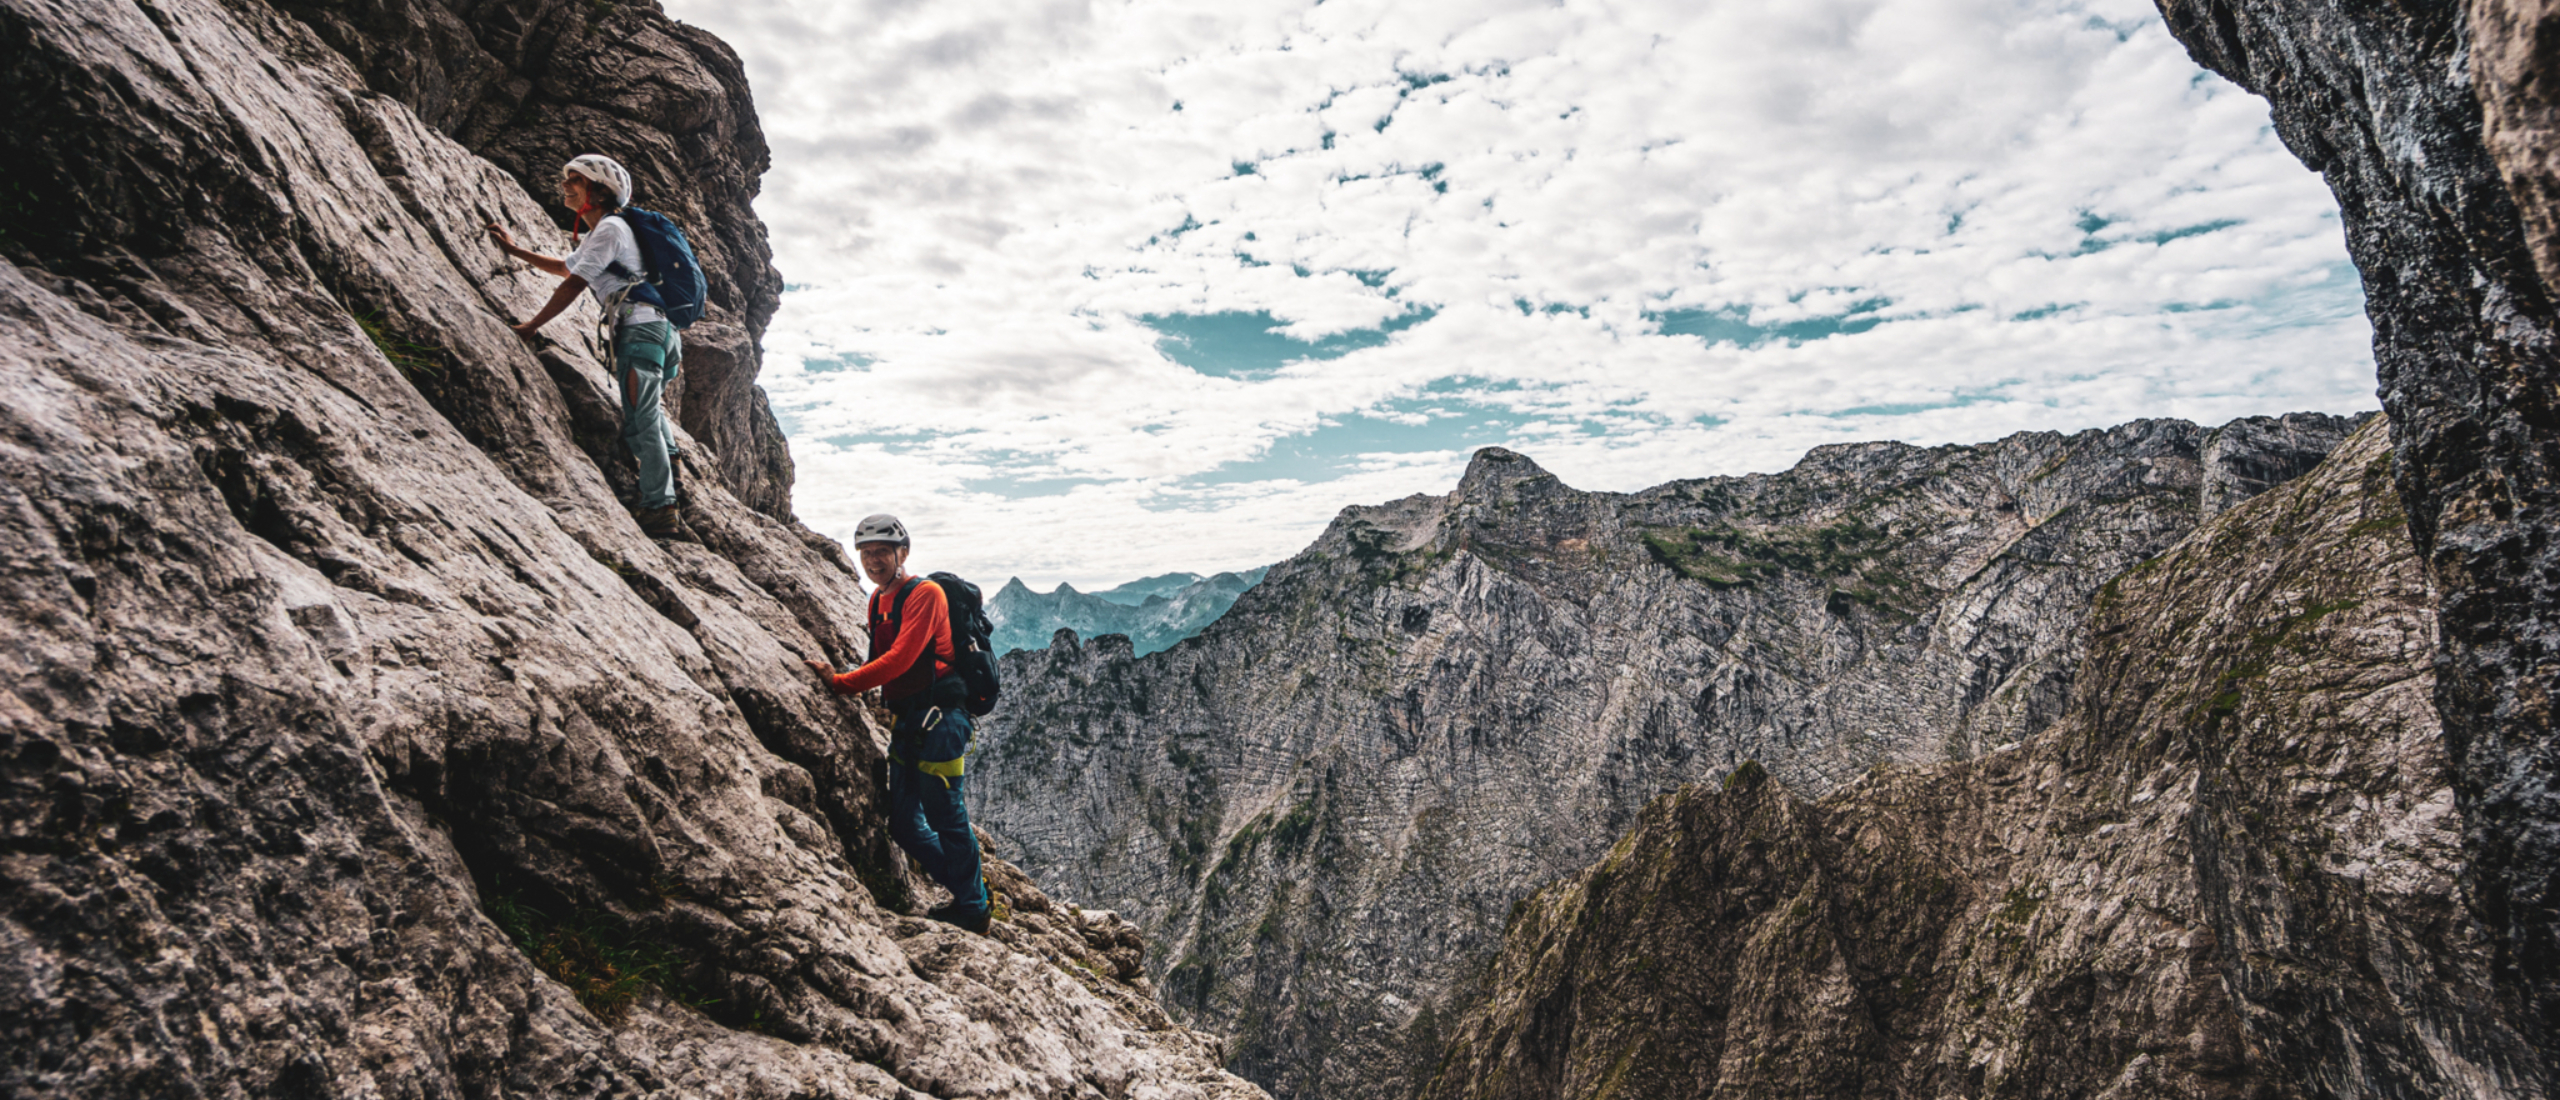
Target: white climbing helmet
[(879, 527), (602, 169)]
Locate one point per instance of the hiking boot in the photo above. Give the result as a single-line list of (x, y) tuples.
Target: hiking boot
[(665, 525), (953, 915)]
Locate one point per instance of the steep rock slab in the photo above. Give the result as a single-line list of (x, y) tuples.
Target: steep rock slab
[(528, 84), (354, 740), (1327, 802), (2229, 871), (2431, 123)]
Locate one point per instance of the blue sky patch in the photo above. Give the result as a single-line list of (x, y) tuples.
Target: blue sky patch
[(2184, 232), (1959, 401), (1012, 488), (1334, 449), (1732, 324), (843, 361), (1235, 344), (1528, 310), (2337, 296)]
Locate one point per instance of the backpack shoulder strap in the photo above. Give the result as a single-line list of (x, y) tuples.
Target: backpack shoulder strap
[(615, 264), (898, 607)]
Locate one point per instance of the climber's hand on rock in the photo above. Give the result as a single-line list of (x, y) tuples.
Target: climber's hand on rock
[(826, 674), (528, 331), (499, 234)]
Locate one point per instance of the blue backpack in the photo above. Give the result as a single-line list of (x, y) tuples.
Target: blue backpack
[(673, 281)]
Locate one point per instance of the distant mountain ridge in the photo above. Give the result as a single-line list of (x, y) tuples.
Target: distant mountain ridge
[(1155, 612), (1162, 584), (1327, 803)]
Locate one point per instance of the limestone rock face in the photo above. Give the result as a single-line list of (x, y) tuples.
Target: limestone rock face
[(528, 84), (1327, 803), (2229, 870), (354, 739), (2433, 125)]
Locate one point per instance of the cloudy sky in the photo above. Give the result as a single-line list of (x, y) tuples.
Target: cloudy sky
[(1094, 289)]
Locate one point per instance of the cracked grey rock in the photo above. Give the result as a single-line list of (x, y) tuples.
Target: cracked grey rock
[(1327, 803), (2231, 869), (2432, 124), (345, 706)]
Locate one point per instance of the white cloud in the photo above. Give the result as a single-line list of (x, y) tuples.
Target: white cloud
[(2013, 214)]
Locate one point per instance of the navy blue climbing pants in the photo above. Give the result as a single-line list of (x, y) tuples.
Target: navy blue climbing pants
[(928, 816)]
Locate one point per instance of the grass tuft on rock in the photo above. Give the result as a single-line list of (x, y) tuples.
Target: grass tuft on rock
[(412, 359), (592, 955)]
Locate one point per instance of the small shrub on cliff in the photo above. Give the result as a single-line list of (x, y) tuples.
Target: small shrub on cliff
[(412, 359), (591, 955)]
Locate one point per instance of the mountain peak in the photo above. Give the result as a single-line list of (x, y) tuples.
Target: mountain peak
[(1502, 458), (1154, 613), (1496, 465)]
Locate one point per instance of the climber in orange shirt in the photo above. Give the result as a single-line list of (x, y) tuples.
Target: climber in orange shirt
[(911, 662)]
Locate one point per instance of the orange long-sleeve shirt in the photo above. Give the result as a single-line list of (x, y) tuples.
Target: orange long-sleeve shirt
[(926, 622)]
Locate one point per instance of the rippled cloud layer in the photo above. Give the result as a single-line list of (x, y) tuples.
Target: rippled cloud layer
[(1086, 291)]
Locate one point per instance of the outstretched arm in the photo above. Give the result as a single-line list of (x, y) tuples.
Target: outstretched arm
[(507, 244), (560, 299), (928, 617)]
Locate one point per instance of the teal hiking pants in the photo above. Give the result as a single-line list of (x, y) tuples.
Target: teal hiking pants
[(647, 356)]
